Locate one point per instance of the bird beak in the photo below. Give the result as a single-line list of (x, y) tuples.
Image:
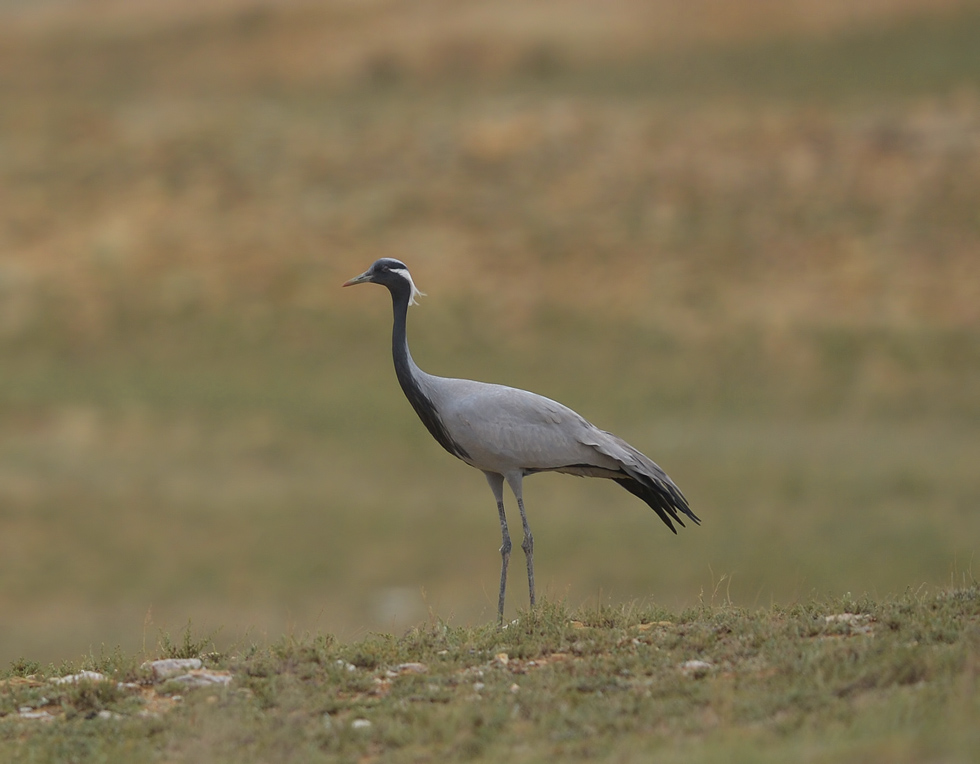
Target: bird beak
[(363, 278)]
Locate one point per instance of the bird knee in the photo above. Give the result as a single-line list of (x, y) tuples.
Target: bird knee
[(528, 545), (505, 548)]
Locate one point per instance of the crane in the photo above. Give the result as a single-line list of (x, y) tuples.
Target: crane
[(509, 434)]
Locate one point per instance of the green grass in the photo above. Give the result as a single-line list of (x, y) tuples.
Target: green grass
[(896, 680)]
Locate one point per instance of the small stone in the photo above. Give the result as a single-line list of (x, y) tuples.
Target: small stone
[(411, 668), (360, 724), (21, 681), (515, 688), (502, 658)]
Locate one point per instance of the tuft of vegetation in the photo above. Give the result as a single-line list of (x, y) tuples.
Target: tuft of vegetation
[(189, 646), (832, 680)]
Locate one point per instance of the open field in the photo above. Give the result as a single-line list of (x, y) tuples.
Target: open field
[(839, 680), (749, 248)]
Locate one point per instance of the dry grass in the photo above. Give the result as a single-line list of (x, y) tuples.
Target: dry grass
[(174, 160)]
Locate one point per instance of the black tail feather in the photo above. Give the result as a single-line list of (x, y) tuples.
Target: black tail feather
[(664, 498)]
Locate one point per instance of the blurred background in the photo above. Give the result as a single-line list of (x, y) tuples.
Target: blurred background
[(745, 236)]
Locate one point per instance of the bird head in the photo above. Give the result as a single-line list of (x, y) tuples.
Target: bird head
[(390, 273)]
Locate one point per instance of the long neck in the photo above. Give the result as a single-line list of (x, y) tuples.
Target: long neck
[(413, 380), (405, 368)]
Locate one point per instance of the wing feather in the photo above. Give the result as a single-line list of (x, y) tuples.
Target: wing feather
[(506, 430), (644, 477)]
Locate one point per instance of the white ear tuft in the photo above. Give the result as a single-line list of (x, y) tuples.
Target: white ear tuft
[(403, 272)]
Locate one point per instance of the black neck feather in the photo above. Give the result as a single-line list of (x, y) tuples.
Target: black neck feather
[(407, 373)]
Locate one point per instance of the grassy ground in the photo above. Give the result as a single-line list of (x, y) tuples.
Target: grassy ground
[(748, 247), (843, 680)]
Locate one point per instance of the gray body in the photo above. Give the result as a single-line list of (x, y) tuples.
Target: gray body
[(509, 433), (515, 433)]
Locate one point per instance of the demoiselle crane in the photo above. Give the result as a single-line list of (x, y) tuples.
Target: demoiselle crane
[(509, 434)]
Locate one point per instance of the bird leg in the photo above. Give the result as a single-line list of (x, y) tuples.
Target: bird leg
[(528, 547), (496, 482), (515, 480), (505, 558)]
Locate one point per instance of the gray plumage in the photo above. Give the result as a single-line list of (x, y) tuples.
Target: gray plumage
[(509, 433)]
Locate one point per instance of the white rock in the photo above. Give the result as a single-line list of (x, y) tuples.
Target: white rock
[(848, 618), (360, 724), (406, 668), (168, 667), (81, 676), (204, 678), (43, 716), (857, 623), (696, 669)]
